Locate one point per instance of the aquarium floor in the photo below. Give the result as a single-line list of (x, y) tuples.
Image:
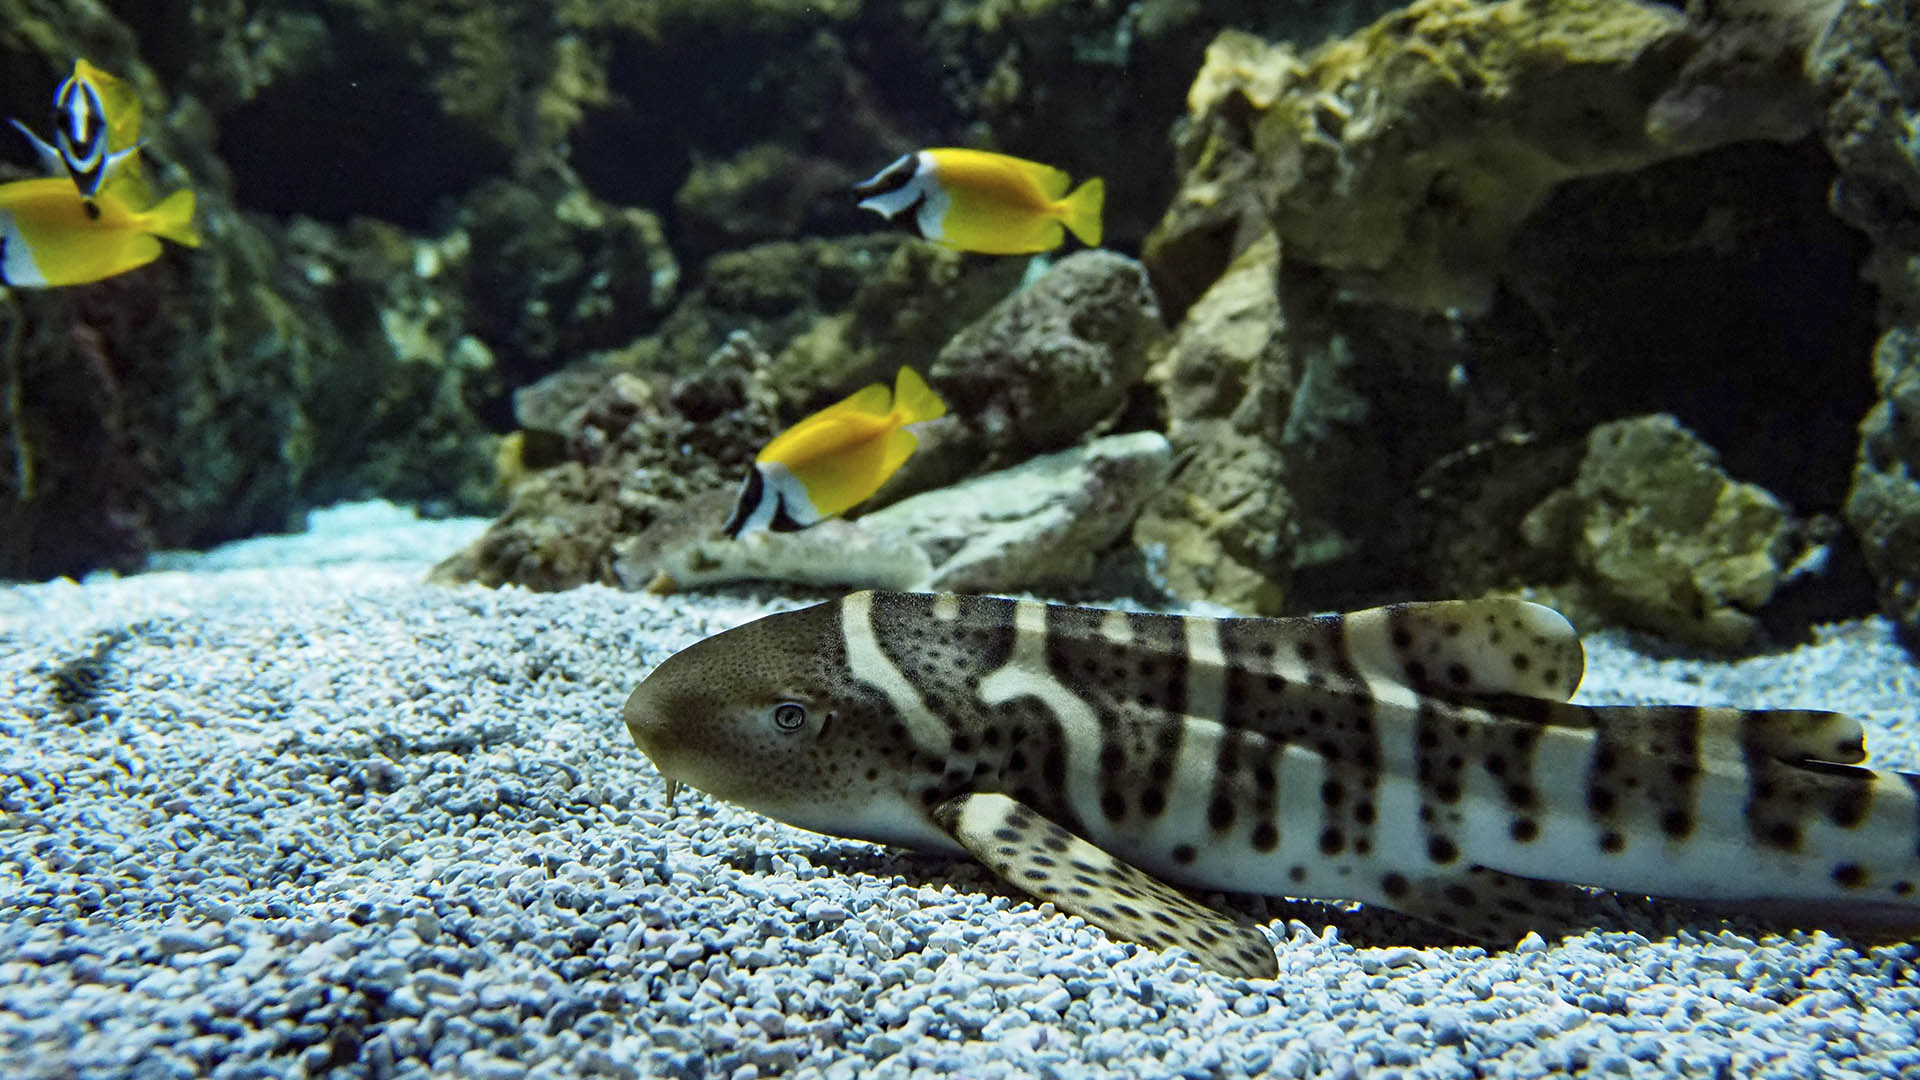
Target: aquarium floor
[(289, 811)]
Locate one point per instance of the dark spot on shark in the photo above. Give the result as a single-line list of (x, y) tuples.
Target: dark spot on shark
[(1676, 823)]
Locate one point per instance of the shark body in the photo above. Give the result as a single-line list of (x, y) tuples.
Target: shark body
[(1422, 757)]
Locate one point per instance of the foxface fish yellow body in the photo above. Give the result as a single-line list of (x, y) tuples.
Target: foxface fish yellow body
[(833, 460), (977, 200), (1422, 757), (52, 235)]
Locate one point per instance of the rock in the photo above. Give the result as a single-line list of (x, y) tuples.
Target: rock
[(1883, 506), (691, 552), (1867, 76), (634, 449), (1224, 519), (549, 272), (1399, 160), (1746, 77), (1037, 372), (1656, 536), (1041, 524), (773, 292), (766, 192), (903, 312)]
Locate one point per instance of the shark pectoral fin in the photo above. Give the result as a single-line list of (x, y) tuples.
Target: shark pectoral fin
[(1043, 859), (1489, 906)]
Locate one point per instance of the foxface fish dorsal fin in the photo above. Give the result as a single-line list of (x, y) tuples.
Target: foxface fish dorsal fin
[(1468, 648), (1046, 861)]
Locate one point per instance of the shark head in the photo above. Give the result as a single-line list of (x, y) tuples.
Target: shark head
[(768, 716)]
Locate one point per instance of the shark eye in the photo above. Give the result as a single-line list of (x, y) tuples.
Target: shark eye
[(788, 716)]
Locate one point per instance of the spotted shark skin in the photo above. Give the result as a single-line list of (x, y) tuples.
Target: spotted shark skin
[(1421, 757)]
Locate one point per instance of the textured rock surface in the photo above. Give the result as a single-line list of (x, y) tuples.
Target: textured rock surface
[(633, 448), (1225, 521), (903, 313), (1042, 524), (1400, 159), (1339, 440), (1038, 371), (833, 554), (1656, 536), (1870, 75)]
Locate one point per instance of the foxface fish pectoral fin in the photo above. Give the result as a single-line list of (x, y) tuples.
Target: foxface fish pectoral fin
[(1489, 906), (1045, 860)]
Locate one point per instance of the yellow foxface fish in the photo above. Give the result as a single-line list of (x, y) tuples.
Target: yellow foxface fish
[(974, 200), (833, 459), (96, 135), (51, 235)]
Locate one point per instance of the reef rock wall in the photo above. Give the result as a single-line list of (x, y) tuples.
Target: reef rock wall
[(1523, 294), (413, 209), (1868, 68), (1418, 266)]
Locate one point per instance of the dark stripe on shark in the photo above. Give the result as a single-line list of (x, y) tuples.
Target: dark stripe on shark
[(1077, 660), (1016, 746), (1784, 797), (1164, 639), (1329, 712)]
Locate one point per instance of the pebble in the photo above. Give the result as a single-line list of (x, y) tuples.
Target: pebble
[(330, 810)]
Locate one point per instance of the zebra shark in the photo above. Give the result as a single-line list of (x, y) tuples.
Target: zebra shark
[(1422, 757)]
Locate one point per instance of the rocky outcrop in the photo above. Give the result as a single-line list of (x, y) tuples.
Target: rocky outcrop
[(1415, 267), (1042, 524), (630, 450), (1870, 77), (1400, 160), (1653, 534), (1038, 372)]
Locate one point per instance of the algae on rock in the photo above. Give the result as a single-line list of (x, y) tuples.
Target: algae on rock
[(1654, 535), (1037, 373), (1870, 77), (1400, 159)]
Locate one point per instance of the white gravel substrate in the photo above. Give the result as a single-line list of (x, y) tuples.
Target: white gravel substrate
[(282, 821)]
